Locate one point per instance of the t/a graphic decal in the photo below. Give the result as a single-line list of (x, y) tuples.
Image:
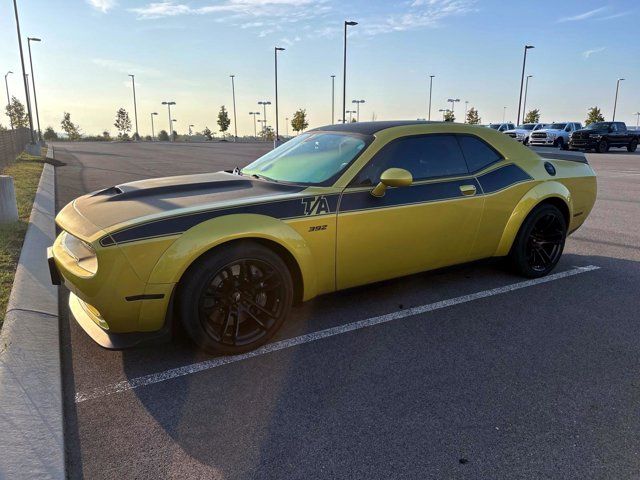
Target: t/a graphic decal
[(315, 205)]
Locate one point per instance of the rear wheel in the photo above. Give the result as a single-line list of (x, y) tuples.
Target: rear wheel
[(540, 242), (235, 298), (633, 144), (603, 146)]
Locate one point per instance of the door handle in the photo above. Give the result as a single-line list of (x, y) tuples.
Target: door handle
[(468, 189)]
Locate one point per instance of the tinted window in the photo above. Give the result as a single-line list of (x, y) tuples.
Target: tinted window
[(425, 157), (621, 127), (477, 153)]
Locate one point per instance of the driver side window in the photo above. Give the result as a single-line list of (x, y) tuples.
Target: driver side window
[(426, 156)]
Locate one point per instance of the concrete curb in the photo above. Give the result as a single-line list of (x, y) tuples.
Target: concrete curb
[(31, 422)]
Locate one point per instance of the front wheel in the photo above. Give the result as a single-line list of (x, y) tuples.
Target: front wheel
[(235, 298), (603, 146), (633, 144), (540, 242)]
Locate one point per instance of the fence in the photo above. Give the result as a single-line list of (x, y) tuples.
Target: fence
[(12, 142)]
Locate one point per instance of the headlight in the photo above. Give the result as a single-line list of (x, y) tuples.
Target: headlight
[(83, 253), (552, 135)]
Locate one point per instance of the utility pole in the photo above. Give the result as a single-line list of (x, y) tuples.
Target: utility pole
[(24, 73)]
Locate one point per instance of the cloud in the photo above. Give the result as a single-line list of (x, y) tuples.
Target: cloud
[(253, 8), (616, 15), (102, 5), (583, 16), (587, 53), (126, 68)]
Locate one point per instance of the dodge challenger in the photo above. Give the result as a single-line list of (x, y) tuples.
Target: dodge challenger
[(226, 254)]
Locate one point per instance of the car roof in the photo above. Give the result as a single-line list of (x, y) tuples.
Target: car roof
[(369, 128)]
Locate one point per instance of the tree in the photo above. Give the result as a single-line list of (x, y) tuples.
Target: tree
[(71, 129), (532, 116), (223, 120), (106, 136), (122, 124), (472, 116), (163, 136), (17, 114), (175, 135), (268, 134), (207, 133), (594, 115), (147, 138), (299, 121), (136, 137), (449, 116), (50, 134)]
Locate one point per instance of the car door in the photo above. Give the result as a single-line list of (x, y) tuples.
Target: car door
[(429, 224), (622, 135)]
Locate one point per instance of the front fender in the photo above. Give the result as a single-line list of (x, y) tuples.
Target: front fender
[(533, 197), (207, 235)]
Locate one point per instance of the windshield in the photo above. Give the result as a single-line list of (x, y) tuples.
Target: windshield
[(526, 127), (540, 125), (598, 126), (557, 126), (310, 158), (495, 126)]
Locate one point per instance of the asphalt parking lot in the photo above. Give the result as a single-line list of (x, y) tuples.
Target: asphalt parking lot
[(525, 380)]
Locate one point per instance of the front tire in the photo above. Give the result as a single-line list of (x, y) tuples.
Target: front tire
[(603, 146), (235, 298), (540, 242)]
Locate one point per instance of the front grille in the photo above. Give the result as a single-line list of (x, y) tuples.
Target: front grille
[(583, 136), (538, 135)]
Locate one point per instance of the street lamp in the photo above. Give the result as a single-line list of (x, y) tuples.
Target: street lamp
[(357, 102), (524, 106), (190, 129), (6, 84), (24, 73), (168, 104), (524, 62), (287, 124), (233, 93), (504, 113), (333, 98), (275, 55), (33, 82), (430, 90), (637, 119), (255, 131), (453, 102), (350, 112), (264, 104), (615, 103), (153, 133), (344, 69), (443, 111), (466, 106), (135, 105)]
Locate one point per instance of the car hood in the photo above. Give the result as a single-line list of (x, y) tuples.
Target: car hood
[(160, 197), (551, 130)]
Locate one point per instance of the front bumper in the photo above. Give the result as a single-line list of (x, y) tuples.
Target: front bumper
[(545, 142), (583, 144)]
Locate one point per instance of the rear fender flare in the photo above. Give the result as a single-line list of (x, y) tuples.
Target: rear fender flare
[(207, 235), (527, 203)]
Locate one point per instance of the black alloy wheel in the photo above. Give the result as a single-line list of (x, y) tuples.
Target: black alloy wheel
[(236, 300), (540, 242), (603, 146)]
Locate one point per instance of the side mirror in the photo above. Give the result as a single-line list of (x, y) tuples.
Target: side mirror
[(392, 177)]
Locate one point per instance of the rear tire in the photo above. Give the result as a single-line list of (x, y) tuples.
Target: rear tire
[(540, 242), (235, 298), (633, 145)]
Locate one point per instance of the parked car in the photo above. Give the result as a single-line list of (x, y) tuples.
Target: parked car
[(555, 135), (228, 253), (600, 136), (521, 132), (502, 127)]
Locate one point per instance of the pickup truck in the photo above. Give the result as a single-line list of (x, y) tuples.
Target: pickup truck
[(555, 135), (600, 136), (521, 132), (501, 127)]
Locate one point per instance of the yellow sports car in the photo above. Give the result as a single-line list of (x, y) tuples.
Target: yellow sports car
[(228, 253)]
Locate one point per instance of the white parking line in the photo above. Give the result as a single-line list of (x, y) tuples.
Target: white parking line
[(138, 382)]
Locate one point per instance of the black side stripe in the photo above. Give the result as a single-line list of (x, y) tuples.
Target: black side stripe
[(487, 183)]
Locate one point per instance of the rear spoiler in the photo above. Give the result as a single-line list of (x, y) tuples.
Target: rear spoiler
[(571, 157)]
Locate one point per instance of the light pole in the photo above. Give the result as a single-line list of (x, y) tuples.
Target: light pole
[(28, 94), (153, 133), (33, 83), (233, 93), (466, 106), (168, 104), (344, 69), (287, 120), (524, 106), (637, 119), (524, 63), (6, 84), (255, 130), (453, 102), (357, 102), (24, 73), (430, 90), (504, 113), (444, 110), (264, 104), (615, 102), (135, 105), (190, 129), (333, 98), (350, 112), (275, 56)]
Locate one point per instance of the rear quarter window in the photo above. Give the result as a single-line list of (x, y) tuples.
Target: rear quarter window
[(477, 152)]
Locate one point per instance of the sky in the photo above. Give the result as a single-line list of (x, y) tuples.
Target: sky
[(185, 50)]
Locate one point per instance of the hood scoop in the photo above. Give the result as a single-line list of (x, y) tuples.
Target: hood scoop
[(133, 192)]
